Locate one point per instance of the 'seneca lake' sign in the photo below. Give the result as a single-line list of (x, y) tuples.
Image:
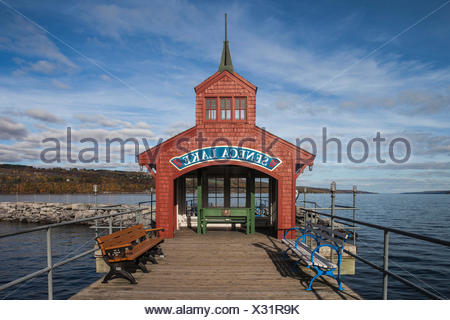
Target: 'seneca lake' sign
[(225, 153)]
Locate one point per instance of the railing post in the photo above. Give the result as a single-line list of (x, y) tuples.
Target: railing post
[(96, 210), (304, 197), (138, 216), (152, 202), (333, 195), (96, 224), (354, 215), (49, 264), (110, 225), (385, 264)]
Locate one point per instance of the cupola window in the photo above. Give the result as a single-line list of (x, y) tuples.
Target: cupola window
[(240, 109), (211, 109), (225, 108)]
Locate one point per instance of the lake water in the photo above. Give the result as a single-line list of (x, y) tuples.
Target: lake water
[(422, 263)]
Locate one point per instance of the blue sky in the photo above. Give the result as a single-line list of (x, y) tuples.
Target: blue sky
[(127, 69)]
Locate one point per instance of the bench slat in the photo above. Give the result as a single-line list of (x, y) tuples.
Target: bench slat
[(142, 247), (304, 252)]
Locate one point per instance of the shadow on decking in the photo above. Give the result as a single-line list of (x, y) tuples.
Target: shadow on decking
[(267, 231), (302, 274)]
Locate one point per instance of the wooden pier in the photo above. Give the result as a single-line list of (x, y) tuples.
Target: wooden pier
[(220, 265)]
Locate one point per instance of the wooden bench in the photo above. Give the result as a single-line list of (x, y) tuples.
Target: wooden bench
[(127, 250), (311, 254), (225, 215)]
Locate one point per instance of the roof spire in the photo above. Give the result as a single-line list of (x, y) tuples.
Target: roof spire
[(226, 27), (225, 60)]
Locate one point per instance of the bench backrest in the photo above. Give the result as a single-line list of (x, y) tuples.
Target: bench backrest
[(128, 235), (325, 229), (226, 212)]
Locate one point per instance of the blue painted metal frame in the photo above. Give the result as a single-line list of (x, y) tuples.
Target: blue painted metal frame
[(319, 271), (327, 272), (302, 238)]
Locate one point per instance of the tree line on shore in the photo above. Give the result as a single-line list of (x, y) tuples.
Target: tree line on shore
[(30, 180)]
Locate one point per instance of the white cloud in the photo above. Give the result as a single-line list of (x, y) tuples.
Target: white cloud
[(60, 85), (11, 130), (142, 125), (42, 115), (43, 67), (100, 119)]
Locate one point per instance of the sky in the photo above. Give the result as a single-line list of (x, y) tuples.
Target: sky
[(127, 69)]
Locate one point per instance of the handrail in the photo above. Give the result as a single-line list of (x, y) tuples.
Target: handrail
[(384, 269), (342, 206), (304, 201), (337, 208), (60, 224), (142, 202), (389, 229), (50, 264)]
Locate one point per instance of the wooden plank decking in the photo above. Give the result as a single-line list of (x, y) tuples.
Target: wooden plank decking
[(219, 265)]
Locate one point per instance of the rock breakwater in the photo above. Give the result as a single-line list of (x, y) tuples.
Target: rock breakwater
[(47, 213)]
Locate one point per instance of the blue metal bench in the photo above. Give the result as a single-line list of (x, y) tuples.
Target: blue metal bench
[(312, 257)]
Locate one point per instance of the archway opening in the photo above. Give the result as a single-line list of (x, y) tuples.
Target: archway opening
[(225, 189)]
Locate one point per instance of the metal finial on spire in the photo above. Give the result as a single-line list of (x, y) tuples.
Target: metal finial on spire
[(225, 27), (225, 61)]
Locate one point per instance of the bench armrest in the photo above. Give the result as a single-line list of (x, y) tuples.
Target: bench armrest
[(294, 228), (154, 229), (303, 237)]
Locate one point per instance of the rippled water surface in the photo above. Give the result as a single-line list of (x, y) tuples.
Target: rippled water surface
[(422, 263)]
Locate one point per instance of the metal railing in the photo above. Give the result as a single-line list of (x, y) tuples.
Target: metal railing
[(152, 203), (50, 265), (333, 207), (385, 268)]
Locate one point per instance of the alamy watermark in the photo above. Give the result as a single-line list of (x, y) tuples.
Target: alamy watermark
[(89, 148)]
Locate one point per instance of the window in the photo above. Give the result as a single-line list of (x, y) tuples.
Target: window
[(262, 201), (211, 108), (225, 108), (239, 111), (238, 192), (216, 192), (191, 196)]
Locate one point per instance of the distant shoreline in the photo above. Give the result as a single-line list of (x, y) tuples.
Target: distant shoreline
[(428, 192), (72, 193), (300, 189)]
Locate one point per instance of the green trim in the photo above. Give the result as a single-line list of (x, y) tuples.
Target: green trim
[(253, 205), (233, 215), (199, 203)]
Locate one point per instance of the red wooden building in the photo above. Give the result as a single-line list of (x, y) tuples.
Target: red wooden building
[(225, 162)]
